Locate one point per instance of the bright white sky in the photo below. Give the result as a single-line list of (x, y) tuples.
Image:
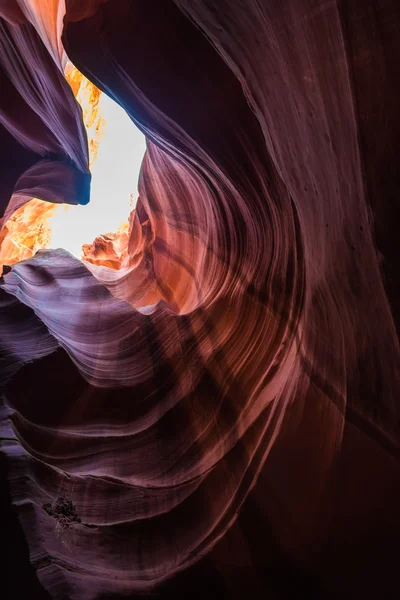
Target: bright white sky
[(115, 175)]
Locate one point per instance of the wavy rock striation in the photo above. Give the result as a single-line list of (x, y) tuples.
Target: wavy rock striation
[(249, 333)]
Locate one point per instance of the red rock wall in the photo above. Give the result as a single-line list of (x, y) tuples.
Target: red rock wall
[(234, 391)]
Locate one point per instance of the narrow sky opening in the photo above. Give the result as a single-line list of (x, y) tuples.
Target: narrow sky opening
[(115, 173)]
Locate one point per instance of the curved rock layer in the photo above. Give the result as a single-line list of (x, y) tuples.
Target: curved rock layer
[(249, 336)]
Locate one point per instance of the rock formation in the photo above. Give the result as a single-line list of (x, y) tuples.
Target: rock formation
[(227, 395)]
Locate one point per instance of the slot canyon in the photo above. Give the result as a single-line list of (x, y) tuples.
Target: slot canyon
[(199, 299)]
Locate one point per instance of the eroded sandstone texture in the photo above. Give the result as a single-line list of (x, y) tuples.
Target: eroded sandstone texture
[(229, 397)]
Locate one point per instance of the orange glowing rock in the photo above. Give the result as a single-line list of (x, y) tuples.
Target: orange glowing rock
[(109, 249), (26, 232)]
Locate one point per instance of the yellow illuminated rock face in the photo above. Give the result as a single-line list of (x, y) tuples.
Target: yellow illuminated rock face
[(88, 96), (26, 232)]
